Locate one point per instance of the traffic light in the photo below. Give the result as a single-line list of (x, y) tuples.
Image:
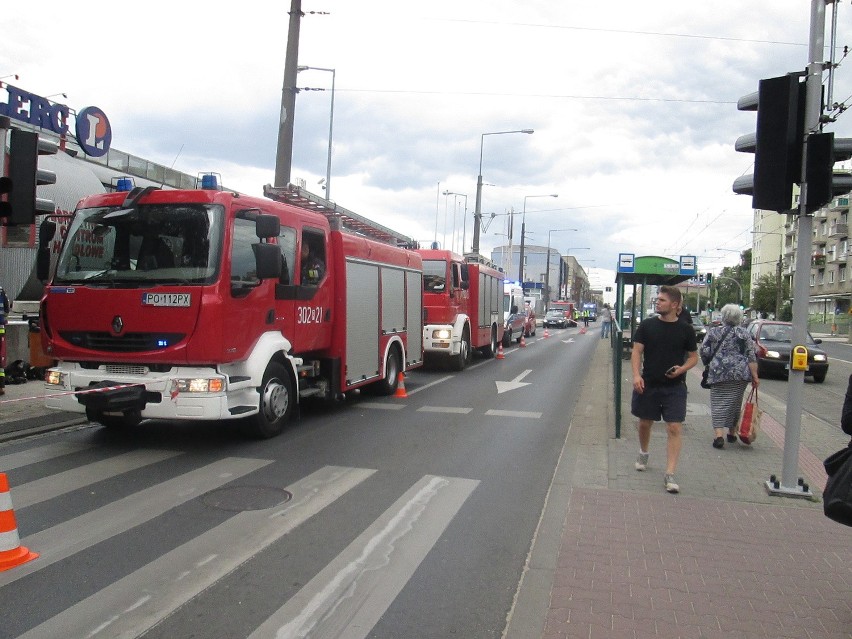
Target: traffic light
[(776, 144), (701, 278), (823, 150), (21, 204), (709, 279)]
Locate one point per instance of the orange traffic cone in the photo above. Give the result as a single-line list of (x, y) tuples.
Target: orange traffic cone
[(12, 553), (583, 331), (523, 343), (400, 386), (500, 351), (546, 334)]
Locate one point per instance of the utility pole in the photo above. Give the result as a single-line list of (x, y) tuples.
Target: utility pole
[(788, 485), (284, 156)]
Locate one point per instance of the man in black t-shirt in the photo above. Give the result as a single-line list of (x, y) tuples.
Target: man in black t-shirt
[(663, 350)]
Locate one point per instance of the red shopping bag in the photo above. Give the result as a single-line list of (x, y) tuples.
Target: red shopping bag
[(750, 422)]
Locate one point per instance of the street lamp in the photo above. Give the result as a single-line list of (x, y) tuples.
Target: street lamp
[(547, 267), (477, 215), (457, 195), (523, 228), (327, 186)]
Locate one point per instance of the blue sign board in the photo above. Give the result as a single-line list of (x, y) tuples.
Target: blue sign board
[(626, 262)]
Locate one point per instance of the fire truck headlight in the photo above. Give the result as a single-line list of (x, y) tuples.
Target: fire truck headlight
[(54, 378), (200, 385), (442, 333)]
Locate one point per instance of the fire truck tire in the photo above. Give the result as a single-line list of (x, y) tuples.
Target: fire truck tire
[(276, 403), (458, 362), (393, 366), (491, 350)]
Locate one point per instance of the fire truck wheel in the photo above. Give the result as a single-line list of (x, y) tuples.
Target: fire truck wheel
[(393, 366), (276, 402), (490, 350), (507, 338), (458, 362)]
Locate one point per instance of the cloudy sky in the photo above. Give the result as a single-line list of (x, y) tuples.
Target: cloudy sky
[(633, 106)]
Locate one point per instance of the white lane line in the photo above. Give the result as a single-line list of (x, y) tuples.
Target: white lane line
[(349, 596), (444, 409), (432, 383), (40, 490), (380, 406), (513, 413), (40, 454), (134, 604), (79, 533)]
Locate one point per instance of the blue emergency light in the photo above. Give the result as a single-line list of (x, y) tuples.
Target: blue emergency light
[(124, 184), (210, 182)]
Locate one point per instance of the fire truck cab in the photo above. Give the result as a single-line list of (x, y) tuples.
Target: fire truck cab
[(207, 305)]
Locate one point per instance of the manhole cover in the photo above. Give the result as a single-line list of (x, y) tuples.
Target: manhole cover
[(238, 498)]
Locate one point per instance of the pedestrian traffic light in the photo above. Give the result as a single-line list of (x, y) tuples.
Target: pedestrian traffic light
[(24, 176), (709, 279), (776, 144), (701, 278)]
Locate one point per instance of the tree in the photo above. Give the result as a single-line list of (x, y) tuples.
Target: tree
[(766, 293)]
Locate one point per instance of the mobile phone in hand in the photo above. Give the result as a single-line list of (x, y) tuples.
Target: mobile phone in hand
[(671, 370)]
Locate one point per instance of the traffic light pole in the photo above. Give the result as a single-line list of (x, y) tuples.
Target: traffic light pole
[(788, 485)]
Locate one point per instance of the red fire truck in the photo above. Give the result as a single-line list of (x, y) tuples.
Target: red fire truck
[(462, 302), (207, 304)]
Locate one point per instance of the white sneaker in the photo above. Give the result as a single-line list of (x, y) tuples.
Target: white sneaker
[(671, 486), (642, 461)]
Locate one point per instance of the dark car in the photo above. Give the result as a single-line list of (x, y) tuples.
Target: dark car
[(774, 347), (555, 317), (700, 328)]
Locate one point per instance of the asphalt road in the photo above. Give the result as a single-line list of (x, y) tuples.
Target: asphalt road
[(409, 517)]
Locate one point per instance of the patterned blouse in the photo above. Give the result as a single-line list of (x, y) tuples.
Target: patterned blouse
[(732, 357)]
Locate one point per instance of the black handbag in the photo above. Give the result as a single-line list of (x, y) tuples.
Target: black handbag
[(837, 496), (706, 371)]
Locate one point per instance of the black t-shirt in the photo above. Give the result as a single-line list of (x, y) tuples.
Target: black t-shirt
[(666, 345)]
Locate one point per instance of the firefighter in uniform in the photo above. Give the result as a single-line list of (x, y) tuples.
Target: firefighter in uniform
[(312, 267), (4, 311)]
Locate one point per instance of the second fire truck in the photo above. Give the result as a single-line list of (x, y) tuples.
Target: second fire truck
[(462, 303)]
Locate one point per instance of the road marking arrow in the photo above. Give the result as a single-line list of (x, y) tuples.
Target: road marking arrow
[(502, 387), (567, 341)]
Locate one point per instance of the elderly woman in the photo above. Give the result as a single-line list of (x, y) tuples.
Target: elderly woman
[(728, 350)]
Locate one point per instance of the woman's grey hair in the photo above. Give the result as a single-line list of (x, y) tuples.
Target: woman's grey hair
[(732, 314)]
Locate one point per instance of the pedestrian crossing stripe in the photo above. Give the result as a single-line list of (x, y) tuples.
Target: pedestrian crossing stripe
[(346, 598)]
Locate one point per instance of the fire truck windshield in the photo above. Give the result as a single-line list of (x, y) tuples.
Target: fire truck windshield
[(434, 276), (150, 243)]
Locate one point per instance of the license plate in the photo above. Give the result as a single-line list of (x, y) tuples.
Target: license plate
[(166, 299)]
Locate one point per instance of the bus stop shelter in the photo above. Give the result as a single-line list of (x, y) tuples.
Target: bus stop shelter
[(639, 273)]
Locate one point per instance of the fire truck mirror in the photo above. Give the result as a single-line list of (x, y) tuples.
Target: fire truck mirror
[(267, 258), (267, 226), (46, 232), (465, 285)]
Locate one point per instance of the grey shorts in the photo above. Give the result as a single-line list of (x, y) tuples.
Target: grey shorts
[(660, 402)]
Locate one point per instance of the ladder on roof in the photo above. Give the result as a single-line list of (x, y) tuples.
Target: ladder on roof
[(297, 196)]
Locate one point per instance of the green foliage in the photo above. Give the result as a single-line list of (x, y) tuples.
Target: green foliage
[(766, 294)]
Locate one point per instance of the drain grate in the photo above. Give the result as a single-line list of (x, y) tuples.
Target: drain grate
[(239, 498)]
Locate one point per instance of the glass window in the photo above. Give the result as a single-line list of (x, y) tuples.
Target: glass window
[(434, 276), (243, 264), (287, 244), (312, 258)]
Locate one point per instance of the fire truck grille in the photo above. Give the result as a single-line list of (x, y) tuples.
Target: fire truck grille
[(127, 343)]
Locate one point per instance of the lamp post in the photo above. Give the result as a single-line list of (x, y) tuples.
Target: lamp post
[(330, 126), (457, 195), (547, 267), (523, 229), (477, 214)]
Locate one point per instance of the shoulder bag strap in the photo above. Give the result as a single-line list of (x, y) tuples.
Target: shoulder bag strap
[(719, 343)]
